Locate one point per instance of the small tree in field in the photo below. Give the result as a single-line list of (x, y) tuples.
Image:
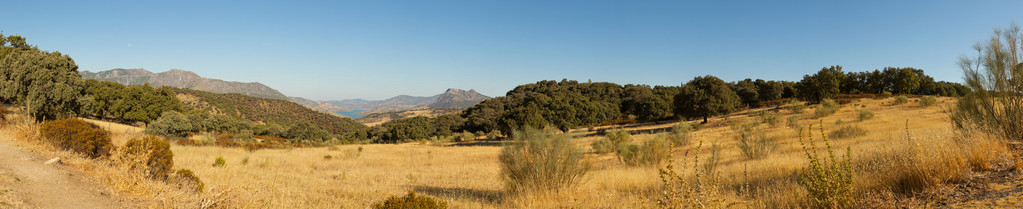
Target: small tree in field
[(704, 97)]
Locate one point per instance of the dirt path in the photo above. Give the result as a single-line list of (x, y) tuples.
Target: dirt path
[(38, 185)]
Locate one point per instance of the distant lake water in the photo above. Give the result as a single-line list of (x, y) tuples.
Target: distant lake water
[(352, 113)]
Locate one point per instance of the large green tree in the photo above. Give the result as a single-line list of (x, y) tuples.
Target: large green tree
[(47, 83), (704, 97)]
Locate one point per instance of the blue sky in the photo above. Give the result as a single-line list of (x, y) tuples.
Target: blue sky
[(377, 49)]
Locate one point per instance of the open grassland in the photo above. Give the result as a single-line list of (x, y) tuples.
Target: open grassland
[(467, 175)]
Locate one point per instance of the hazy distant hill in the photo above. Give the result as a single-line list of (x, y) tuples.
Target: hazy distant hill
[(452, 98), (184, 79), (458, 98)]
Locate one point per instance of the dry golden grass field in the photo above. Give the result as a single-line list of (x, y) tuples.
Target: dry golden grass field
[(902, 142)]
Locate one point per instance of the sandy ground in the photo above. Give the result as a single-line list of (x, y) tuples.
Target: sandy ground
[(36, 185)]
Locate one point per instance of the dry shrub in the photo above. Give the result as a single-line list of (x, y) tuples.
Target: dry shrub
[(828, 179), (78, 136), (827, 107), (865, 114), (752, 141), (796, 106), (219, 162), (152, 154), (680, 134), (848, 131), (651, 153), (926, 101), (411, 200), (611, 142), (769, 118), (698, 190), (914, 164), (541, 161), (900, 100), (3, 115), (187, 180)]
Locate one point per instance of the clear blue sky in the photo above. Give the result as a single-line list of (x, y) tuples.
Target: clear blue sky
[(378, 49)]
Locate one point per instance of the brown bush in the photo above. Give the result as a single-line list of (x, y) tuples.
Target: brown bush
[(154, 152), (186, 179), (78, 136), (411, 201)]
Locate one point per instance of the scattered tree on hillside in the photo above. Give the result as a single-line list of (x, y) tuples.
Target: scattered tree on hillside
[(704, 97)]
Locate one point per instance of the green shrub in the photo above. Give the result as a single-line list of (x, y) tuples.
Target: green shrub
[(827, 107), (848, 131), (900, 100), (185, 179), (493, 134), (886, 93), (411, 201), (652, 152), (752, 141), (466, 136), (172, 124), (537, 160), (926, 101), (866, 114), (611, 142), (219, 162), (78, 136), (157, 158), (828, 179)]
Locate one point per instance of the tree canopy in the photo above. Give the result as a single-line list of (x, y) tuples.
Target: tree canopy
[(705, 96)]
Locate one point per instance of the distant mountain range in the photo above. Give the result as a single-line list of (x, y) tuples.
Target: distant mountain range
[(184, 79), (452, 98)]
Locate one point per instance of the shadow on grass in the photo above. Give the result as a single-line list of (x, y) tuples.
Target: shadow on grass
[(487, 196), (489, 143)]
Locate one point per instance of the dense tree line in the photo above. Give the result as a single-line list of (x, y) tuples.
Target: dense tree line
[(136, 103), (418, 127)]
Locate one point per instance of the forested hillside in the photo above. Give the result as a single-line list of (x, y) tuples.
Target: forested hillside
[(283, 112)]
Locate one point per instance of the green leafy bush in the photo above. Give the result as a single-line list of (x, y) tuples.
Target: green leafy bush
[(866, 114), (154, 153), (186, 179), (411, 201), (827, 107), (926, 101), (538, 160), (78, 136)]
